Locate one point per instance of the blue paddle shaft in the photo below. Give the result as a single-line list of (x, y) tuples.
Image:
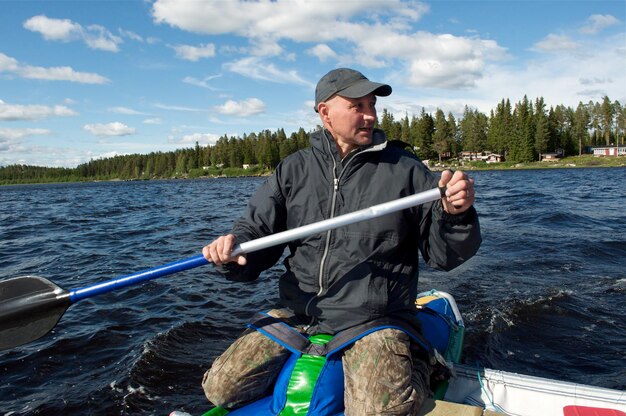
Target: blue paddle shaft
[(260, 243), (133, 279)]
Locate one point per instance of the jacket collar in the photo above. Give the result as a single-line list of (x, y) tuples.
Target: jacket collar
[(322, 140)]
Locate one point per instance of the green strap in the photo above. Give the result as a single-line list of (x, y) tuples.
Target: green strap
[(301, 383), (216, 411), (303, 379)]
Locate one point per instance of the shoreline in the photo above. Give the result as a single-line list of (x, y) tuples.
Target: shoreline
[(571, 162)]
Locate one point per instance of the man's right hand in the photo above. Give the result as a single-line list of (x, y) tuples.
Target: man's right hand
[(218, 251)]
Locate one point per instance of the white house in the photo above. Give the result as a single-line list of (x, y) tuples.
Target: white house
[(609, 151)]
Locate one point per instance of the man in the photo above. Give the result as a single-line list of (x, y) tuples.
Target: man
[(354, 274)]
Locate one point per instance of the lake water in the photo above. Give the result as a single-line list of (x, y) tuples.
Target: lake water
[(545, 295)]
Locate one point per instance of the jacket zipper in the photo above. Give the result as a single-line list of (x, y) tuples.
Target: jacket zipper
[(328, 235), (320, 277), (322, 289)]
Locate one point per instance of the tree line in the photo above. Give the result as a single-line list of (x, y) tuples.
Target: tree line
[(519, 132)]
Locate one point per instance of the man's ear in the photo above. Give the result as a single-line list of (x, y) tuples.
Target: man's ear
[(322, 109)]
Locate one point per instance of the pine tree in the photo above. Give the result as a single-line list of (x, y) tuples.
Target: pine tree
[(522, 147), (541, 128), (387, 124), (580, 127), (606, 118), (442, 135), (455, 145), (423, 129), (500, 128), (473, 129), (620, 122)]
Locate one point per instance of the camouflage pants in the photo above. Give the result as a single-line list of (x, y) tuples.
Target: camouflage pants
[(383, 374)]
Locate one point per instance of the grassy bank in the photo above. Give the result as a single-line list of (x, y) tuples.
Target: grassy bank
[(585, 161)]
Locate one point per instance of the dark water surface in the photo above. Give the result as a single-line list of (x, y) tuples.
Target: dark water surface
[(546, 294)]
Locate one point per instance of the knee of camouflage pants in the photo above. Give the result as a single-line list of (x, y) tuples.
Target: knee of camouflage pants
[(384, 375), (246, 371)]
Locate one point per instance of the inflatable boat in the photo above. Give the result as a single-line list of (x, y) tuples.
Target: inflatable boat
[(312, 384)]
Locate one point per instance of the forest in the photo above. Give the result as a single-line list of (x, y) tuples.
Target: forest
[(520, 132)]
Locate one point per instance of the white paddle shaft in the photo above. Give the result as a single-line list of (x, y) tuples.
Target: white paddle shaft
[(332, 223)]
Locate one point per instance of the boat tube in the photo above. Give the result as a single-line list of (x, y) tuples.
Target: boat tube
[(312, 384)]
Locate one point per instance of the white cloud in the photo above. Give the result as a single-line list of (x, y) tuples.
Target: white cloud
[(14, 112), (554, 42), (347, 32), (243, 108), (8, 64), (256, 68), (64, 30), (298, 20), (204, 83), (322, 52), (98, 37), (11, 144), (194, 53), (438, 61), (38, 155), (155, 120), (265, 47), (126, 111), (598, 22), (59, 73), (109, 129), (7, 135), (594, 81), (563, 78), (130, 34), (203, 139), (179, 108), (54, 29)]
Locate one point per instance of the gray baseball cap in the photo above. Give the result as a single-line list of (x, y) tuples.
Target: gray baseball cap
[(347, 83)]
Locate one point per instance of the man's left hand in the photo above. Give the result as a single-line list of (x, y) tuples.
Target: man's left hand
[(460, 192)]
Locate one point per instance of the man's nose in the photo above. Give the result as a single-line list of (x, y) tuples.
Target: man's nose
[(369, 114)]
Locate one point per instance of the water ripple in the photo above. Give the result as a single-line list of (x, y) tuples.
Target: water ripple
[(551, 269)]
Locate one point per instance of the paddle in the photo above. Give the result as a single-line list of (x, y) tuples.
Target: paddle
[(31, 306)]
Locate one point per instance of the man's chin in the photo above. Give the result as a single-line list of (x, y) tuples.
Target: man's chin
[(365, 139)]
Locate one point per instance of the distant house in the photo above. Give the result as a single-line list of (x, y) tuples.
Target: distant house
[(485, 156), (552, 157), (609, 151), (549, 157), (493, 158), (469, 155)]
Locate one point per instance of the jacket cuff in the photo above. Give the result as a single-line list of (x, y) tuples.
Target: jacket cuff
[(463, 218), (227, 268)]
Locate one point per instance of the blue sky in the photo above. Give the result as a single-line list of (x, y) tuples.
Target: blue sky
[(91, 79)]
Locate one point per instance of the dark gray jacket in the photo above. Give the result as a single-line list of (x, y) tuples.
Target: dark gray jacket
[(359, 272)]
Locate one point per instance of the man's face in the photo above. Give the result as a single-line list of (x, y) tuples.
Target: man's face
[(350, 120)]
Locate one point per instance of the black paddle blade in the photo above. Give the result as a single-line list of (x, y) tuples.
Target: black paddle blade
[(30, 307)]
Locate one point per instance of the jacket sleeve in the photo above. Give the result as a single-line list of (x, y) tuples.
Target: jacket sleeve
[(447, 241), (264, 215)]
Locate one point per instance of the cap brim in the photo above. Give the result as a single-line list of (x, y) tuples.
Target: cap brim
[(364, 87)]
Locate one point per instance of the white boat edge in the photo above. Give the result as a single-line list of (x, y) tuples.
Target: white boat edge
[(518, 394)]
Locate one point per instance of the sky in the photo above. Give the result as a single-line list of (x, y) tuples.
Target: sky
[(82, 80)]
